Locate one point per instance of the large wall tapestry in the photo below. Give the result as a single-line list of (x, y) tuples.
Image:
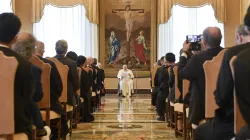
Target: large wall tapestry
[(128, 35)]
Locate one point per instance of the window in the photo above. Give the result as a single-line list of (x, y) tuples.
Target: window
[(5, 6), (69, 24), (185, 21)]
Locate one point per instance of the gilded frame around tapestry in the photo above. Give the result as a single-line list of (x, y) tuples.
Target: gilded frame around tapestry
[(128, 36)]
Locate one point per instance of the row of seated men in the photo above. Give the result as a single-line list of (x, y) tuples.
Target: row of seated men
[(190, 67), (28, 89)]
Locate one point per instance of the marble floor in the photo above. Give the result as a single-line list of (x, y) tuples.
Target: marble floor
[(124, 119)]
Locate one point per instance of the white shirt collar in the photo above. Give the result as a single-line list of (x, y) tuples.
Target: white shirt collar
[(1, 45)]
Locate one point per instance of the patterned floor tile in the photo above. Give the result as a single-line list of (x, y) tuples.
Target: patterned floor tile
[(123, 119)]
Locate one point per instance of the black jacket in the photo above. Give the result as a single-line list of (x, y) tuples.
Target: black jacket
[(94, 77), (171, 82), (193, 71), (23, 93), (85, 83), (242, 87), (73, 79), (157, 79), (163, 78), (225, 85), (101, 77), (37, 73), (55, 87)]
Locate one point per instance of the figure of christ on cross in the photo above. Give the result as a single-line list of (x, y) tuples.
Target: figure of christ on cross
[(129, 21)]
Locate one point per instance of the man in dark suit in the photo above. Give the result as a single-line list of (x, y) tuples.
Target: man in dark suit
[(242, 89), (25, 46), (101, 78), (90, 61), (55, 80), (95, 74), (193, 71), (170, 57), (73, 79), (222, 125), (55, 88), (98, 83), (24, 82), (156, 81), (163, 90)]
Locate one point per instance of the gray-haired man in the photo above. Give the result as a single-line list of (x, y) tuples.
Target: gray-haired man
[(25, 47), (73, 80)]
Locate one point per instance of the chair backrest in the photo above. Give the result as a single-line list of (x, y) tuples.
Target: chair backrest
[(153, 72), (239, 122), (211, 69), (8, 67), (177, 91), (63, 71), (79, 70), (46, 69), (185, 88)]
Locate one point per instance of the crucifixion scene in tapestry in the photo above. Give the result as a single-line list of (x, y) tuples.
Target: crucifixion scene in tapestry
[(128, 34)]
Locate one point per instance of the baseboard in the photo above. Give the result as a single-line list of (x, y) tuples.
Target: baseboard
[(139, 91)]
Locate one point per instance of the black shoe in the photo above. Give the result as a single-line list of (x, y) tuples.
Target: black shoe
[(180, 130), (161, 118), (89, 118), (41, 132), (169, 125), (64, 132), (74, 125)]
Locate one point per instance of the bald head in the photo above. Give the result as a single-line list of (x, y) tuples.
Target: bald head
[(90, 60), (39, 48), (89, 57), (212, 37), (99, 65)]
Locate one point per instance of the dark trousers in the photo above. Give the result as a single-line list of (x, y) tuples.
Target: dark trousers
[(161, 104), (64, 128), (154, 96), (244, 133), (98, 100), (36, 115), (102, 90), (86, 109), (215, 129)]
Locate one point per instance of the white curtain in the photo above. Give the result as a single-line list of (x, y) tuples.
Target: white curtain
[(185, 21), (69, 24), (5, 6)]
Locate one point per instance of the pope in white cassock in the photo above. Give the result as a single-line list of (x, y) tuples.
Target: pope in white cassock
[(126, 77)]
